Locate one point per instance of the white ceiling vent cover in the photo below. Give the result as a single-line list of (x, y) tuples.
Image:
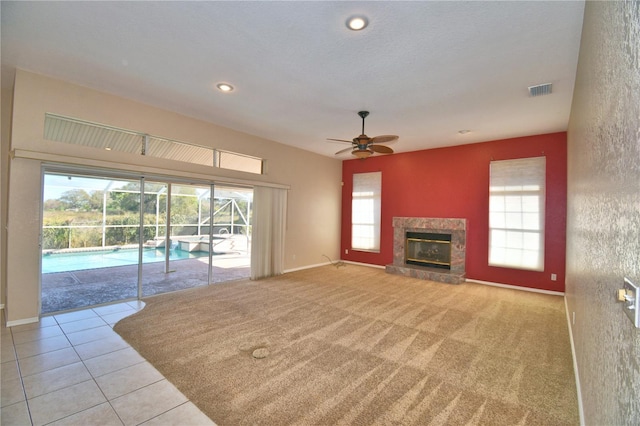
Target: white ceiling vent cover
[(540, 90)]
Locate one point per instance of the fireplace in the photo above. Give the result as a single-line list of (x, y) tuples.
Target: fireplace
[(429, 248)]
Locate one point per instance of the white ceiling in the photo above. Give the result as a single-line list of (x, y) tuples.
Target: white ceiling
[(425, 70)]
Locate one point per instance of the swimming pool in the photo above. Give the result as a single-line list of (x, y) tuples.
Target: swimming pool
[(63, 262)]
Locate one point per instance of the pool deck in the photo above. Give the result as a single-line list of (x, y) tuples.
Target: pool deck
[(64, 291)]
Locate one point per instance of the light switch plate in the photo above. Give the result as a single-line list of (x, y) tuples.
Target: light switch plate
[(632, 305)]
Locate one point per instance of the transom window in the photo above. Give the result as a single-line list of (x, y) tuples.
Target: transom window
[(100, 136), (240, 162)]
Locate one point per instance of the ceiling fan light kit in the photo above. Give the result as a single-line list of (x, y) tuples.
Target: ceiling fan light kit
[(363, 146), (362, 154)]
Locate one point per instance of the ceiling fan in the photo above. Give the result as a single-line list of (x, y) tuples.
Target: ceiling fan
[(363, 146)]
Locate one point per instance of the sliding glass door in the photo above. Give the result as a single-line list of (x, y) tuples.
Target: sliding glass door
[(182, 253), (107, 239), (90, 235), (231, 256)]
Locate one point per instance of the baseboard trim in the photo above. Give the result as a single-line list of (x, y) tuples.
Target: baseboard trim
[(22, 322), (363, 264), (515, 287), (575, 363), (302, 268)]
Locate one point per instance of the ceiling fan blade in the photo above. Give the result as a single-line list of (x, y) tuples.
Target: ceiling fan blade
[(339, 140), (344, 150), (381, 149), (384, 139)]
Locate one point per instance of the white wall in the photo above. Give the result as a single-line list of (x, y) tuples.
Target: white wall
[(313, 225), (603, 217)]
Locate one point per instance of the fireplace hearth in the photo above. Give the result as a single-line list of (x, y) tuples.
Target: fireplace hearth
[(429, 248)]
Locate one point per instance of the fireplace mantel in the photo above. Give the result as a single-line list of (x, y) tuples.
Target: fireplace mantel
[(457, 229)]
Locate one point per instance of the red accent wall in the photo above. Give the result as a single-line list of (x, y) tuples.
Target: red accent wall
[(453, 182)]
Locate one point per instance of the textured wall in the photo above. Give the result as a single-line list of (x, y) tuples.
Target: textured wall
[(603, 229)]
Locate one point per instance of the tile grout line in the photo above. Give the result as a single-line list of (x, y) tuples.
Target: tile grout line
[(93, 378), (24, 391), (109, 401), (72, 346), (165, 412), (27, 400), (137, 309)]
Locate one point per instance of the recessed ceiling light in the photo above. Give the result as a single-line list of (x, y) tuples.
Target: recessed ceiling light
[(357, 23), (108, 148), (464, 132), (224, 87)]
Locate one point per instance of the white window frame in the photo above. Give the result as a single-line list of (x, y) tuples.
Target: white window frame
[(365, 211), (516, 213), (239, 162)]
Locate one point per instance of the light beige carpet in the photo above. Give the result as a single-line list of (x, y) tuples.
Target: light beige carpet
[(355, 345)]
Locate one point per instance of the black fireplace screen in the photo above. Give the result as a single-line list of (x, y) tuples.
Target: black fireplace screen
[(427, 249)]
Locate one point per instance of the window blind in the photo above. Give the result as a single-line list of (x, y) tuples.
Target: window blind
[(516, 213), (365, 211)]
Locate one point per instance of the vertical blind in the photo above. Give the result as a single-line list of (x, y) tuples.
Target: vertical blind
[(268, 231), (365, 211), (516, 213)]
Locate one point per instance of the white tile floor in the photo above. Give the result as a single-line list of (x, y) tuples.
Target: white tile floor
[(73, 369)]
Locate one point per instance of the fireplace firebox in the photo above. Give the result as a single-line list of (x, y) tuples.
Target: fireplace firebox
[(428, 249), (445, 259)]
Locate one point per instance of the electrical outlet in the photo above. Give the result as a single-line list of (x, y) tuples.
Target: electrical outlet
[(554, 277), (628, 295), (346, 251)]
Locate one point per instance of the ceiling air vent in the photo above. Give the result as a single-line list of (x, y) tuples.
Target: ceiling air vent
[(540, 90)]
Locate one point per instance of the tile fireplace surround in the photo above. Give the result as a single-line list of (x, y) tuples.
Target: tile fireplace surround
[(457, 229)]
